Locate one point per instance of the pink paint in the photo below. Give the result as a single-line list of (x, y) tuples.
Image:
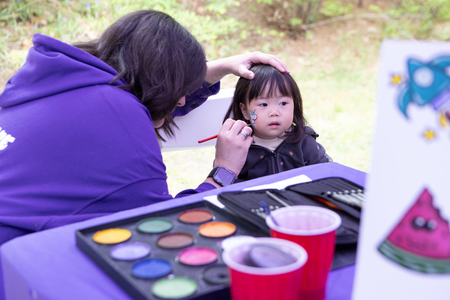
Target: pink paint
[(197, 256)]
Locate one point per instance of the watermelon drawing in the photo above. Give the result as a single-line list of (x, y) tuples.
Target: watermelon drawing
[(421, 240)]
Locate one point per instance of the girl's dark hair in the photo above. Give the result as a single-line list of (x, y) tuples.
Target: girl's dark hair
[(158, 58), (268, 76)]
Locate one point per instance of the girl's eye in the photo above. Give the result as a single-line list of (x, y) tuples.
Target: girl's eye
[(283, 103), (263, 104)]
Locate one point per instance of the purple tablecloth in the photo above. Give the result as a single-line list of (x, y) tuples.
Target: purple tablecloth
[(48, 264)]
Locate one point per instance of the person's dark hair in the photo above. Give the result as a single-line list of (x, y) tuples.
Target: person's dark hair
[(158, 58), (266, 75)]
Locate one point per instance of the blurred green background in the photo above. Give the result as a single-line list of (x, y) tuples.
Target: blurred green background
[(330, 46)]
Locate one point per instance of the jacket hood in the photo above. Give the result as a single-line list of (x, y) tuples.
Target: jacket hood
[(54, 67)]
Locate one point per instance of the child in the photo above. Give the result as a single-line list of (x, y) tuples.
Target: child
[(272, 105)]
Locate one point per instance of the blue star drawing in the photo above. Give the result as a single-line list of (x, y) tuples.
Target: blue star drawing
[(253, 117), (429, 84)]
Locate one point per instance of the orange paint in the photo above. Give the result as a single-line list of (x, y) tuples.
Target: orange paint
[(217, 229)]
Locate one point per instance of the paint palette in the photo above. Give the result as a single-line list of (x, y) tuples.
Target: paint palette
[(169, 254)]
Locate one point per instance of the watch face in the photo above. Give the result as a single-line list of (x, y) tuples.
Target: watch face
[(224, 176)]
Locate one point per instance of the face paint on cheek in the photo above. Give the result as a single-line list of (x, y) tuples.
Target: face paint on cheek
[(253, 117)]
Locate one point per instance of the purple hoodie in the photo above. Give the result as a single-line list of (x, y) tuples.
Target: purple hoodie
[(72, 146)]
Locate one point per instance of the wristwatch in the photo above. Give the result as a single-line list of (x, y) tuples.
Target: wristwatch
[(223, 176)]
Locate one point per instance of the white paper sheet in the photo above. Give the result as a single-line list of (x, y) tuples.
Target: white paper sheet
[(275, 185), (411, 148)]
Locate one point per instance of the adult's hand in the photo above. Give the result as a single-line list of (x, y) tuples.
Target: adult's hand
[(232, 145), (239, 65)]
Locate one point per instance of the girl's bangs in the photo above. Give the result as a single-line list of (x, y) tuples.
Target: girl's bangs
[(267, 83)]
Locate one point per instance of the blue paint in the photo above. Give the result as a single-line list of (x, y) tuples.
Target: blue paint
[(151, 268)]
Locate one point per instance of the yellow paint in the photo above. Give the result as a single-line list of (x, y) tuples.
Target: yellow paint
[(429, 134), (396, 79), (111, 236), (443, 120)]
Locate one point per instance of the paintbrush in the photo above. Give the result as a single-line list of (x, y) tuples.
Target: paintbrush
[(208, 139), (212, 137)]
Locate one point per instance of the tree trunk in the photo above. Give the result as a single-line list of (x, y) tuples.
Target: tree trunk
[(307, 12), (319, 5)]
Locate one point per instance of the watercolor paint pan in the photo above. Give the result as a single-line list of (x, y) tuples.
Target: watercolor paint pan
[(206, 279)]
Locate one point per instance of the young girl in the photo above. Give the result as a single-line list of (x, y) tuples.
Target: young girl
[(271, 104)]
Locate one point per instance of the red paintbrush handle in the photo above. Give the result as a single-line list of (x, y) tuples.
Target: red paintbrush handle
[(208, 139)]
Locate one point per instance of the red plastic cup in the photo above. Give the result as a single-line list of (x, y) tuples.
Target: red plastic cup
[(313, 228), (253, 283)]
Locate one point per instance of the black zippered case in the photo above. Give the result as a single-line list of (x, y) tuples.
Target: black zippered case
[(338, 194)]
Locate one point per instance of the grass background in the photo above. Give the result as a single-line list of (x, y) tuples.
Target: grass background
[(335, 65)]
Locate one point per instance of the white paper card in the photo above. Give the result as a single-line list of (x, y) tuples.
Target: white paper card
[(404, 245), (275, 185), (281, 184)]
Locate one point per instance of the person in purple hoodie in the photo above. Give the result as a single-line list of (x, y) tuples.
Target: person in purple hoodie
[(77, 122)]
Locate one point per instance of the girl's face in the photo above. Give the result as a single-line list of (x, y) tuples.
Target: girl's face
[(274, 115)]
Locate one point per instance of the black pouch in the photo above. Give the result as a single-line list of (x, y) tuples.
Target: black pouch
[(338, 194)]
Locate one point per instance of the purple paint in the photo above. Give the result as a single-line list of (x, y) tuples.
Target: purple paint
[(130, 251)]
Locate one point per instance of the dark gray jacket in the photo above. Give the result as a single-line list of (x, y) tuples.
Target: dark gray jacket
[(262, 161)]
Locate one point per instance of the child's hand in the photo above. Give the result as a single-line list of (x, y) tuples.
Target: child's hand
[(232, 145)]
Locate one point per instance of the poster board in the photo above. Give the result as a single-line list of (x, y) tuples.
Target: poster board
[(404, 245)]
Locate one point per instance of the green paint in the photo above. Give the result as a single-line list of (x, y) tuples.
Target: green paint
[(174, 288), (154, 225)]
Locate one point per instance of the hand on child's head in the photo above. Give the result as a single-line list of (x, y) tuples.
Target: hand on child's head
[(245, 72), (250, 75), (272, 60), (240, 64)]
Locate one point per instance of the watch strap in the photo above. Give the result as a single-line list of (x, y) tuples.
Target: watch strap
[(215, 171)]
